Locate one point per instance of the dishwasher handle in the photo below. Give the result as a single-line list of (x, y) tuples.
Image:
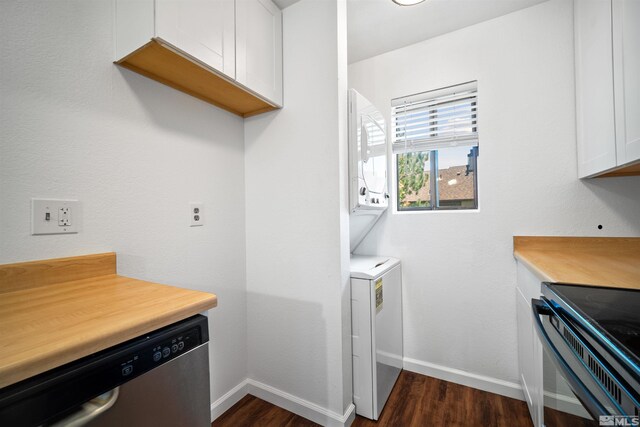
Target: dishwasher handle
[(90, 410)]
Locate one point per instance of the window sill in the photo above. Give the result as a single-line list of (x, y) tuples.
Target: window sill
[(436, 211)]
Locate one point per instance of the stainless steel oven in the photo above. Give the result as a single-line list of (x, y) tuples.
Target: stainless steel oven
[(591, 369)]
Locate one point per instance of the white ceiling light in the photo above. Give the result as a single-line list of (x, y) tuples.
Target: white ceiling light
[(407, 2)]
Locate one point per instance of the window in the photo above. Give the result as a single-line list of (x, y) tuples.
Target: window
[(435, 145)]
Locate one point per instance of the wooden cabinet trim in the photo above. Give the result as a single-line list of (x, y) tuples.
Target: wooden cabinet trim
[(166, 64)]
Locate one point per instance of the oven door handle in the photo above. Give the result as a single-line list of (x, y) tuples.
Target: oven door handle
[(591, 404)]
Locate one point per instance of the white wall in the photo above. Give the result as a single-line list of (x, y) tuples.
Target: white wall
[(459, 272), (134, 152), (297, 241)]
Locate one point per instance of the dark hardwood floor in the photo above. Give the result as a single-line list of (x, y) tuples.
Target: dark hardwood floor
[(557, 418), (251, 411), (416, 400)]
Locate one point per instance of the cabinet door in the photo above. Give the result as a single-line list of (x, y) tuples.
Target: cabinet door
[(626, 66), (529, 345), (594, 87), (204, 29), (259, 48), (537, 377), (525, 351)]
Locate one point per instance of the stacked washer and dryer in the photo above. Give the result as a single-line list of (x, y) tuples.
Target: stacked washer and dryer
[(376, 281)]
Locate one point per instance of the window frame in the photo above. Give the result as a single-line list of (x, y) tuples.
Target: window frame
[(433, 162), (434, 188)]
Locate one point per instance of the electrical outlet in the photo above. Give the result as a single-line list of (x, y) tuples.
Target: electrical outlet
[(196, 214), (64, 217), (54, 216)]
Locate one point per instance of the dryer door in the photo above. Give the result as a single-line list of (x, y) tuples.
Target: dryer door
[(367, 155)]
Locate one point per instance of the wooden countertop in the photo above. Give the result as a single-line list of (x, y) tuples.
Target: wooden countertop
[(597, 261), (55, 311)]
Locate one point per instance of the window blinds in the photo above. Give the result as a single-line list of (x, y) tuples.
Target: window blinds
[(435, 119)]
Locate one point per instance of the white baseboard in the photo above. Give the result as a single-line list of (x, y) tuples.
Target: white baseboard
[(328, 418), (481, 382), (564, 403), (300, 406), (229, 399), (390, 359)]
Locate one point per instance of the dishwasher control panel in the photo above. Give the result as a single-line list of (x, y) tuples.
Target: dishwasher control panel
[(157, 353)]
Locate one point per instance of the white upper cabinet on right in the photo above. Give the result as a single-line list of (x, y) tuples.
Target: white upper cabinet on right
[(626, 78), (259, 48), (607, 43)]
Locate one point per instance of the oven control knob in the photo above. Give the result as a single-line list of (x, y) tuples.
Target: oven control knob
[(174, 348), (180, 345), (166, 351), (157, 356)]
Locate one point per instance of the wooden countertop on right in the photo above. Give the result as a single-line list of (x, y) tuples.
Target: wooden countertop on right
[(598, 261)]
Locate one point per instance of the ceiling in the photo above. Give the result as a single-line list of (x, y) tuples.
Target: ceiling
[(284, 3), (378, 26)]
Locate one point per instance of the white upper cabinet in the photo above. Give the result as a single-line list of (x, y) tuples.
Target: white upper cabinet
[(203, 29), (607, 48), (626, 68), (225, 52), (594, 87), (259, 47)]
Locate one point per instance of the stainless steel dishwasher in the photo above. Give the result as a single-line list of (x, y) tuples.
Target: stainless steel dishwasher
[(158, 379)]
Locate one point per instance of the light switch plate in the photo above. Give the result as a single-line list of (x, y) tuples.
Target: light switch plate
[(54, 216), (196, 214)]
